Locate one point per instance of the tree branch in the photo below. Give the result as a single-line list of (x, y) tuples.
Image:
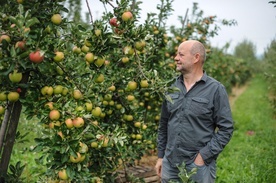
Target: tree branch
[(90, 13)]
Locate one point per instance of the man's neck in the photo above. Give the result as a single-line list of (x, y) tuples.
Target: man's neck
[(191, 78)]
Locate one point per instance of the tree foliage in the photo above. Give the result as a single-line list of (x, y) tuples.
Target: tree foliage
[(270, 70)]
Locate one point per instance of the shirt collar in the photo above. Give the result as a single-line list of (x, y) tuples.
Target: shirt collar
[(203, 78)]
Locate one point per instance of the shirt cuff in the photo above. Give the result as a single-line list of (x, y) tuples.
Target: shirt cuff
[(206, 155), (160, 154)]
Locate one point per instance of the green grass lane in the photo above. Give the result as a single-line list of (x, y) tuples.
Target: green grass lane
[(22, 150), (250, 155)]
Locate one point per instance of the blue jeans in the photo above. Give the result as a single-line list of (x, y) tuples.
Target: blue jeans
[(204, 174)]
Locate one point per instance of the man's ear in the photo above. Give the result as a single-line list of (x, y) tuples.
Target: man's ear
[(197, 57)]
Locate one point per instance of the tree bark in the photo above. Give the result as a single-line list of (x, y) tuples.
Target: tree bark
[(4, 125), (13, 114), (10, 137)]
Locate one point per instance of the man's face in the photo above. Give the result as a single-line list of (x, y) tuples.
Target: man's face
[(184, 59)]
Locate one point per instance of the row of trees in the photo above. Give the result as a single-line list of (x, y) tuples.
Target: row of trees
[(95, 89), (270, 70)]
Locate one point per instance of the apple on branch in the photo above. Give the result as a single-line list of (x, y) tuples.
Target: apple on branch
[(36, 56), (113, 22), (56, 19), (127, 16)]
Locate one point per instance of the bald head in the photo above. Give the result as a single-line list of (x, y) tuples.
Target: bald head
[(196, 47)]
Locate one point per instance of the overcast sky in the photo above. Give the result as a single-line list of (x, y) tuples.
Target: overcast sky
[(256, 19)]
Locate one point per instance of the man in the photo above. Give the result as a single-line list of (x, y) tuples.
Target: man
[(196, 121)]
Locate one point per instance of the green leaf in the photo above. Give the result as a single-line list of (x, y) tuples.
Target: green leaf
[(15, 21), (26, 14), (64, 159), (31, 22), (168, 98), (5, 73), (81, 28), (65, 10), (13, 52)]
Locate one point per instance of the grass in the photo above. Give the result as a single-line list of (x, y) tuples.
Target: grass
[(250, 155), (22, 150)]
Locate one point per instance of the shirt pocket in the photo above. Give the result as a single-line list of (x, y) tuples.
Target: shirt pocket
[(173, 101), (199, 106)]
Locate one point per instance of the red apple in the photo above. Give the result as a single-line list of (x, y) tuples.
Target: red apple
[(5, 37), (69, 123), (36, 56), (118, 31), (54, 114), (18, 90), (113, 22), (21, 45), (78, 122)]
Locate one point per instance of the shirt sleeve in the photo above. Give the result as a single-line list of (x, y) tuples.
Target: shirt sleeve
[(223, 119), (162, 130)]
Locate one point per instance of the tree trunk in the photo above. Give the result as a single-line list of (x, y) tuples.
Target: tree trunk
[(10, 137), (4, 125), (9, 130)]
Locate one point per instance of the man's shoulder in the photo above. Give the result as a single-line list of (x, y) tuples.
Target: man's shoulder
[(215, 84), (213, 80)]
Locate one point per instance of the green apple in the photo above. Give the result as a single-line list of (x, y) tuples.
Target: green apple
[(89, 57), (59, 56), (99, 78), (58, 89), (97, 112), (13, 96), (77, 94), (132, 85), (76, 50), (94, 144), (88, 106), (144, 83), (62, 174), (15, 76), (99, 62), (2, 110), (56, 19), (127, 16)]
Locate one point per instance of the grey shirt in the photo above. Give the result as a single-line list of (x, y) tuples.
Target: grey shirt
[(196, 121)]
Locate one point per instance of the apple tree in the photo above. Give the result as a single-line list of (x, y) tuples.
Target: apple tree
[(95, 90)]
